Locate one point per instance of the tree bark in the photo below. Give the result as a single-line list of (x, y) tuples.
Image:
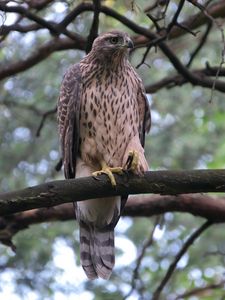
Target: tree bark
[(208, 207), (157, 182)]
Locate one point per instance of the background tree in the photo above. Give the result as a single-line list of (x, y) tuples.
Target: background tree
[(179, 53)]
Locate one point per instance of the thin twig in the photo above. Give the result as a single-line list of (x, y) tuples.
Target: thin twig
[(176, 16), (59, 164), (199, 291), (206, 13), (139, 259), (54, 28), (182, 251), (200, 45), (3, 19), (45, 50), (161, 38), (25, 12), (155, 21), (156, 4), (44, 117)]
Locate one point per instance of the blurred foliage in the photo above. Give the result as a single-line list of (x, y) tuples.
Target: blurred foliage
[(187, 132)]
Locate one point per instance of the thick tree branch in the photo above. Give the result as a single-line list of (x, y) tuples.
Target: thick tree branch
[(137, 206), (95, 24), (178, 79), (158, 182), (212, 208), (6, 29)]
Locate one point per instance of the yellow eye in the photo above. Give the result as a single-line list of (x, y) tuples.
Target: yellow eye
[(114, 40)]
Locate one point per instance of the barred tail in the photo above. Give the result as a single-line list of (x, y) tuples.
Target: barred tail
[(97, 251)]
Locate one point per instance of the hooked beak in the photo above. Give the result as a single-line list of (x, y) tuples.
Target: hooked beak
[(129, 43)]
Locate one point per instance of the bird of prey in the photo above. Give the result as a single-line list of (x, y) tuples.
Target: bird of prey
[(103, 114)]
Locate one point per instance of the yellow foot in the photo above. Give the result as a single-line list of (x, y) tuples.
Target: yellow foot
[(132, 161), (109, 172)]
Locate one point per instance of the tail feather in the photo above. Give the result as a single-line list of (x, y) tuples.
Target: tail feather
[(104, 256), (85, 252), (96, 251)]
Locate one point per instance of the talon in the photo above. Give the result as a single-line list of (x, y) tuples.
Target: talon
[(132, 160), (109, 172)]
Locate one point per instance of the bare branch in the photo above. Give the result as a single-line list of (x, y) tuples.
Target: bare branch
[(200, 45), (188, 75), (156, 4), (38, 5), (178, 80), (139, 259), (25, 12), (54, 28), (142, 206), (157, 182), (182, 251), (59, 164), (207, 14), (216, 10), (94, 28), (45, 115), (201, 290), (174, 21), (6, 29), (155, 22), (30, 107), (40, 54), (56, 44)]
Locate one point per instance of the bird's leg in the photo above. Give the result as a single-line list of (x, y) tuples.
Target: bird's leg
[(132, 161), (109, 172)]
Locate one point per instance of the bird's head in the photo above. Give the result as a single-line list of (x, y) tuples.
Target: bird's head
[(113, 42)]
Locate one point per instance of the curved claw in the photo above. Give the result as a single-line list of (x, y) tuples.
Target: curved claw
[(132, 161), (109, 172)]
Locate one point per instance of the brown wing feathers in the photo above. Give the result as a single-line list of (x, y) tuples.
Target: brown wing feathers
[(68, 118), (144, 114)]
